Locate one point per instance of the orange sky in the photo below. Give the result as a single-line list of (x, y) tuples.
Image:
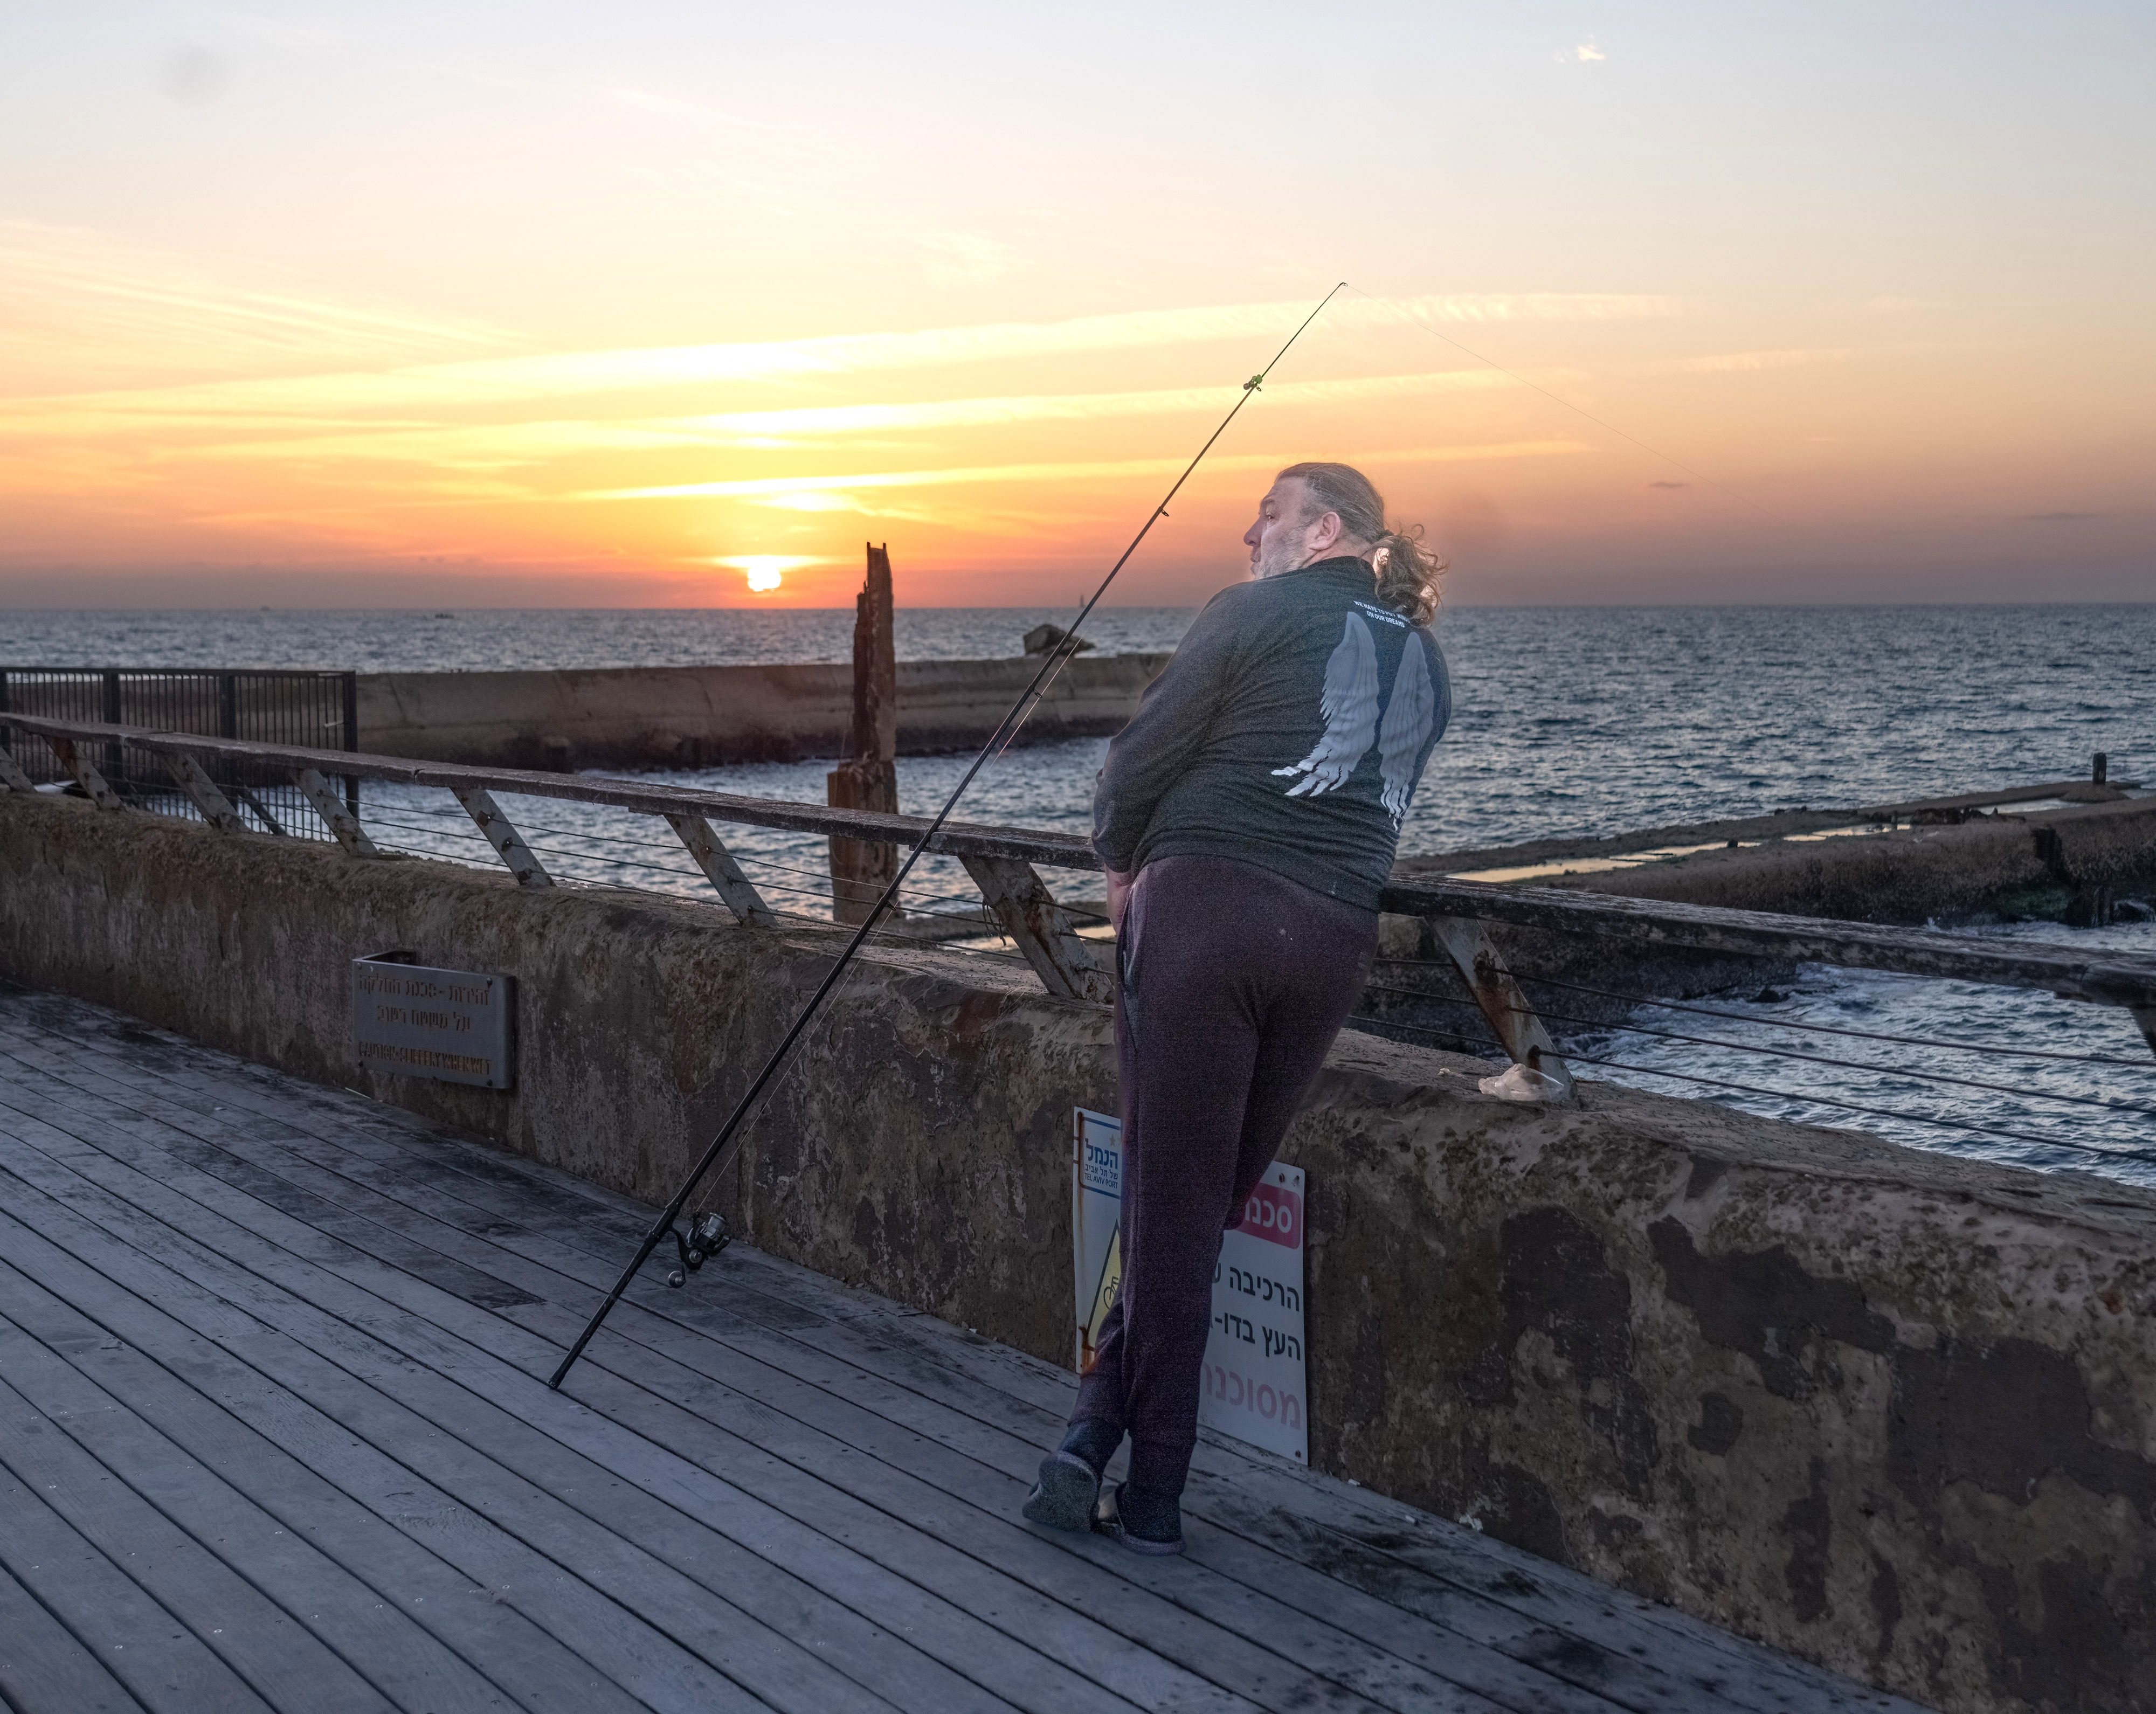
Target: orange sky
[(369, 309)]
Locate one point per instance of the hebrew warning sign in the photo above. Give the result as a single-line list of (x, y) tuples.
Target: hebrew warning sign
[(1252, 1386)]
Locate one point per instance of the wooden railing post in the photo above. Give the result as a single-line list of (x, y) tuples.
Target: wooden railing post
[(720, 869), (335, 812), (501, 833), (88, 777), (1070, 967), (215, 807), (1504, 1005)]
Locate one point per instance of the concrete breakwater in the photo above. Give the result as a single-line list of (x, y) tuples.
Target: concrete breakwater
[(2072, 851), (691, 717), (1891, 1411)]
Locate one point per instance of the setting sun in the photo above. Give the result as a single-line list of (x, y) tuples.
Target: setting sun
[(766, 572)]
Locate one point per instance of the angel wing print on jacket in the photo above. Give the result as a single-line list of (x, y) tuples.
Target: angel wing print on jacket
[(1349, 708), (1408, 717)]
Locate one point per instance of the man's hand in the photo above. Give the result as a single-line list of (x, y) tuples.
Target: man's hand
[(1119, 898)]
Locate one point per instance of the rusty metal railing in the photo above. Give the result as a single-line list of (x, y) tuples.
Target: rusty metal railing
[(1004, 862)]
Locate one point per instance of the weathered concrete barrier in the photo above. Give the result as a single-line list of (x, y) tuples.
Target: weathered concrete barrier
[(1892, 1411), (2069, 862), (690, 716)]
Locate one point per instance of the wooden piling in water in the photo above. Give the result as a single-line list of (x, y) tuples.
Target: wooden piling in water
[(868, 779)]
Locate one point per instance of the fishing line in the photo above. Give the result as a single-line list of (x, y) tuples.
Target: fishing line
[(1413, 320), (708, 1236)]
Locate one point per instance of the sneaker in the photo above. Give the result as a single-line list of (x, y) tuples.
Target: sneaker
[(1063, 1497), (1144, 1523)]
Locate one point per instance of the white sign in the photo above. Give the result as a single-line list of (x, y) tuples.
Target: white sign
[(1253, 1384)]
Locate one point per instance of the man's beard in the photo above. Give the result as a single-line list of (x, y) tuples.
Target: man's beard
[(1279, 554)]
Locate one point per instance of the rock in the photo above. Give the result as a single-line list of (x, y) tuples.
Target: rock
[(1041, 640)]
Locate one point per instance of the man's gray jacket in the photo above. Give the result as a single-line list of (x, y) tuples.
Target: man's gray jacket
[(1290, 730)]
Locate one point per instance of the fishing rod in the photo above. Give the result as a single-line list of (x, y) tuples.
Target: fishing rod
[(708, 1234)]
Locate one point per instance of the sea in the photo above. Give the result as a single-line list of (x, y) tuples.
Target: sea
[(1566, 721)]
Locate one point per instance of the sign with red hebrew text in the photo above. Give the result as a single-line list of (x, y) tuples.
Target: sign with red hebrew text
[(1252, 1386)]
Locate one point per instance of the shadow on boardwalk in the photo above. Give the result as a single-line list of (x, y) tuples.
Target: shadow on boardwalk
[(273, 1433)]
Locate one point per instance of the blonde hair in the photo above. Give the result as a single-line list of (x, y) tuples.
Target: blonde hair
[(1408, 573)]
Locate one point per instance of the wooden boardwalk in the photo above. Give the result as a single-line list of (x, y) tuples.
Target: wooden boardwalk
[(273, 1433)]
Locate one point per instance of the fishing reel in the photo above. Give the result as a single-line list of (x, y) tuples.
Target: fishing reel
[(707, 1237)]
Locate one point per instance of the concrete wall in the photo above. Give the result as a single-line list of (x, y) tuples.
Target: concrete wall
[(1891, 1411), (693, 715), (2069, 862)]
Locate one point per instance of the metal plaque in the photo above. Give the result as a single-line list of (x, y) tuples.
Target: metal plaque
[(411, 1020)]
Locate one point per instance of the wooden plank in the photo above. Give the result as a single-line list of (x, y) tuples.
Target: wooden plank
[(1546, 1595), (86, 776), (284, 1663), (1556, 1622), (336, 816), (497, 1528), (43, 1669), (1733, 1660), (501, 833), (1070, 967), (493, 1571), (355, 1649), (720, 869), (1543, 1692), (934, 1615), (530, 1668), (215, 807), (12, 775), (704, 1588), (1370, 1619), (419, 1348), (921, 1354), (162, 1663), (1269, 1623), (1056, 850)]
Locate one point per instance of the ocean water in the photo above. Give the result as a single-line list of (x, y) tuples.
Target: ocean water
[(1566, 721)]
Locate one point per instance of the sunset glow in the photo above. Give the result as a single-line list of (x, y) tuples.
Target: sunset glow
[(379, 316)]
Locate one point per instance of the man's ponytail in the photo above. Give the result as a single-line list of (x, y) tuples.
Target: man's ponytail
[(1408, 575)]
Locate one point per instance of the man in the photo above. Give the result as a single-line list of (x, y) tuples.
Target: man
[(1248, 818)]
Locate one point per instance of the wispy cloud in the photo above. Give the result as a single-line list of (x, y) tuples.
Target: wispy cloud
[(785, 489), (1588, 51), (501, 382), (500, 444), (79, 308), (1747, 362), (965, 258)]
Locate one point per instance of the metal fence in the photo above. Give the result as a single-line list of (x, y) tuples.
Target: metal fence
[(984, 894), (316, 710)]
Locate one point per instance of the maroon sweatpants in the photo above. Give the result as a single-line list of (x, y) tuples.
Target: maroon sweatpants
[(1234, 980)]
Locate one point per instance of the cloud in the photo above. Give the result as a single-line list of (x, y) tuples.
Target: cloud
[(1747, 362), (2059, 517), (790, 487), (1669, 485), (79, 308), (1903, 306), (1587, 51), (966, 258), (496, 382)]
